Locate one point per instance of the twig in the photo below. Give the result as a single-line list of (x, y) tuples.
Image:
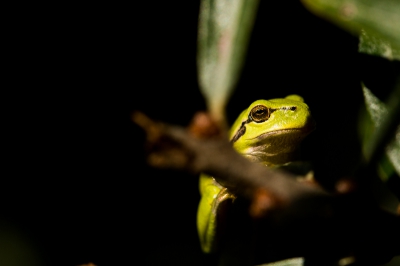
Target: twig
[(174, 147), (277, 195)]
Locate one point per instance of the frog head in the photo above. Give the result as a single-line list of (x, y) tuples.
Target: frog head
[(270, 131)]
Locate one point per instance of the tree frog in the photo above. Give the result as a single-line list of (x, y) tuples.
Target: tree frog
[(268, 132)]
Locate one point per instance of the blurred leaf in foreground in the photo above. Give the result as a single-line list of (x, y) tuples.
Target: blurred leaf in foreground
[(378, 111), (224, 31), (372, 120), (379, 19), (288, 262), (377, 46)]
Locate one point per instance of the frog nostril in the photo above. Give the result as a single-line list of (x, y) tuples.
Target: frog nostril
[(291, 108)]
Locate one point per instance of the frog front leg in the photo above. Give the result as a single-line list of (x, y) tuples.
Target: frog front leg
[(214, 203)]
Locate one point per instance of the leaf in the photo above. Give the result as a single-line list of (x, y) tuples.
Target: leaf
[(376, 109), (378, 112), (393, 151), (224, 31), (289, 262), (372, 45), (376, 22)]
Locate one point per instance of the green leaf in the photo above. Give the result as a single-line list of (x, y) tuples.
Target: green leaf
[(379, 19), (289, 262), (393, 151), (378, 112), (224, 31), (376, 109), (372, 45)]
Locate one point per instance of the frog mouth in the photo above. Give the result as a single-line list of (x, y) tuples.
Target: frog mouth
[(303, 132)]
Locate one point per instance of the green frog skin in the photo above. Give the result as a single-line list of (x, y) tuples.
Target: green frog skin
[(268, 132)]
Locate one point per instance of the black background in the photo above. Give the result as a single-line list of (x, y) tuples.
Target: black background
[(79, 189)]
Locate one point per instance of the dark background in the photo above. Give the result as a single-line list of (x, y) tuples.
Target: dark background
[(79, 189)]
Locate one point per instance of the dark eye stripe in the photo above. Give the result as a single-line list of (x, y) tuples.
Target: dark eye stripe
[(241, 131), (238, 134)]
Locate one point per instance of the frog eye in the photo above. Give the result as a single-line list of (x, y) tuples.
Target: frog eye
[(259, 113)]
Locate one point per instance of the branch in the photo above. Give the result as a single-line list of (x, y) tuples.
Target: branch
[(275, 197), (174, 147)]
